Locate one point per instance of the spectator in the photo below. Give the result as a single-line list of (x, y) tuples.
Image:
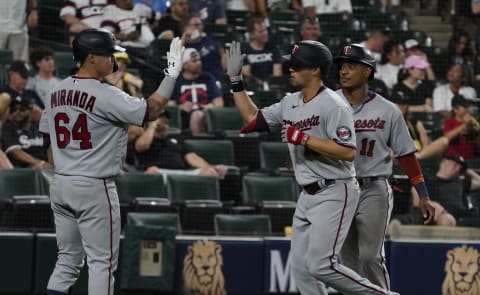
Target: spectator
[(195, 91), (452, 184), (83, 14), (17, 80), (261, 58), (159, 153), (315, 7), (457, 81), (258, 7), (209, 11), (376, 40), (16, 17), (4, 161), (467, 141), (21, 140), (393, 57), (412, 85), (310, 29), (124, 80), (128, 27), (169, 25), (459, 51), (43, 82), (413, 48), (212, 54)]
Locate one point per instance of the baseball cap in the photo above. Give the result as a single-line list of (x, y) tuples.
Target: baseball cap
[(20, 67), (411, 43), (460, 100), (457, 158), (415, 61), (22, 101), (188, 54), (399, 97)]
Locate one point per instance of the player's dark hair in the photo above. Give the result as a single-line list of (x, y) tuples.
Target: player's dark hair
[(38, 54)]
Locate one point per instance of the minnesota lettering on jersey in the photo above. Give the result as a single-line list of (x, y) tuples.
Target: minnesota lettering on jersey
[(75, 98), (369, 124), (305, 124)]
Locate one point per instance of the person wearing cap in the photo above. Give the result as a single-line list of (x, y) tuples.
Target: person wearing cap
[(381, 137), (457, 83), (411, 83), (319, 128), (195, 91), (18, 75), (393, 57), (412, 47), (262, 59), (43, 82), (426, 148), (468, 141), (124, 80), (211, 52), (20, 136), (158, 153)]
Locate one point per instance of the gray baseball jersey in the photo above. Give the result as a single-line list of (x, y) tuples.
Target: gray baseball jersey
[(379, 128), (326, 116), (75, 116)]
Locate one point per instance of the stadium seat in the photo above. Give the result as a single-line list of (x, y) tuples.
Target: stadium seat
[(16, 255), (6, 57), (155, 219), (175, 118), (224, 118), (243, 225), (213, 151), (198, 198), (272, 195), (273, 156), (63, 63)]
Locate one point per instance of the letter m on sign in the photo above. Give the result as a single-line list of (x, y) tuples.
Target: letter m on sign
[(280, 274)]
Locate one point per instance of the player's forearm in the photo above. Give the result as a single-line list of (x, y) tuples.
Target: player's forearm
[(245, 106), (331, 149)]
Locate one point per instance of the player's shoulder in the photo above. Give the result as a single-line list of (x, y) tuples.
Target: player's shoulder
[(334, 98)]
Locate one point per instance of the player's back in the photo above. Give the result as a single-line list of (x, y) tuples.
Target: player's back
[(87, 121)]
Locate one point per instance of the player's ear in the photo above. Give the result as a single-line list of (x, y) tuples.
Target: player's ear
[(367, 71)]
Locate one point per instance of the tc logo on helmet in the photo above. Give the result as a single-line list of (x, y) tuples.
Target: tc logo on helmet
[(346, 50), (294, 49)]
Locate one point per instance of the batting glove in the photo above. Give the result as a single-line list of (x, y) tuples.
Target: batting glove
[(234, 63), (292, 135), (174, 58)]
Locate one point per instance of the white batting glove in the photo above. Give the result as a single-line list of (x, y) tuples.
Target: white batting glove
[(174, 58), (234, 62)]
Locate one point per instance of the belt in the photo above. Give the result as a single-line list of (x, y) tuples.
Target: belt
[(314, 187), (362, 181)]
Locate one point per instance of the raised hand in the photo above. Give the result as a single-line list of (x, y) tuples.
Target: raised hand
[(174, 58), (234, 62)]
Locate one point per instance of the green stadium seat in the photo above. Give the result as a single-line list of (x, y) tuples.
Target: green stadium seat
[(175, 117), (16, 255), (6, 57), (222, 119), (258, 225), (273, 156), (64, 63), (213, 151), (155, 219)]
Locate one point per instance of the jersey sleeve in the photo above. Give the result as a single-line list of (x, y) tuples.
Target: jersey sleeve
[(43, 124), (339, 122), (400, 140), (273, 114), (118, 106)]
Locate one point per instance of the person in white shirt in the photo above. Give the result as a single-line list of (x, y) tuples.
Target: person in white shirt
[(457, 77), (82, 14), (393, 58), (314, 7), (43, 82)]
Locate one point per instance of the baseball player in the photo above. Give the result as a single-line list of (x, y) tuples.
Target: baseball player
[(380, 129), (318, 126), (86, 123)]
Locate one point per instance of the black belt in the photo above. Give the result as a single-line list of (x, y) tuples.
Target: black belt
[(314, 187), (362, 181)]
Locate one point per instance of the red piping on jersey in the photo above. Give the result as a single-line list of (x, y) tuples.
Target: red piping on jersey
[(318, 92), (332, 264), (111, 235), (370, 96), (384, 267)]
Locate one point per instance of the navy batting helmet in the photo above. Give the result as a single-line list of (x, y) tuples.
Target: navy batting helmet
[(94, 41), (359, 54), (310, 54)]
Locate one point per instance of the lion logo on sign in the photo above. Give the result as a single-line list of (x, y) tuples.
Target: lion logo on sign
[(462, 268), (202, 269)]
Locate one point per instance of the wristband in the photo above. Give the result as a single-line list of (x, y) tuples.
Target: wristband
[(237, 83), (422, 190)]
